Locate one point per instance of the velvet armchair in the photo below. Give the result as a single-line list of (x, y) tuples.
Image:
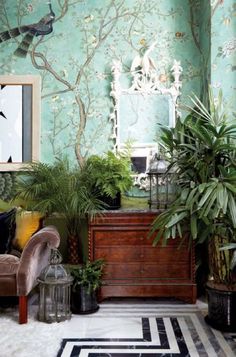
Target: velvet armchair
[(18, 275)]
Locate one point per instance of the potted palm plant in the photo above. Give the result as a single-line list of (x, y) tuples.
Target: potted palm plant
[(202, 151), (109, 176), (86, 281), (58, 188)]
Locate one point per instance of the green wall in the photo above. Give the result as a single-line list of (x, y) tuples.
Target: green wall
[(74, 61), (205, 47), (223, 49)]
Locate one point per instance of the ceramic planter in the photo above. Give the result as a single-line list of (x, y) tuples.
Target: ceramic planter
[(112, 203), (221, 309), (83, 301)]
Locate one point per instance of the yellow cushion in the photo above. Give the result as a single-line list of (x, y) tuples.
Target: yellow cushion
[(27, 223)]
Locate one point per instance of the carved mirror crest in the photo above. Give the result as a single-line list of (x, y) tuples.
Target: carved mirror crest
[(19, 121), (150, 99)]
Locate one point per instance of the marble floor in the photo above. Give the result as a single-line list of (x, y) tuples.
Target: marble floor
[(145, 329), (120, 328)]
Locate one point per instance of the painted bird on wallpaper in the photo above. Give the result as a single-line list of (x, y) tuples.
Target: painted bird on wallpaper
[(41, 28), (145, 62)]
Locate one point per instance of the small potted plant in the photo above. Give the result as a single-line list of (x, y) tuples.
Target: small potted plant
[(87, 280), (110, 175)]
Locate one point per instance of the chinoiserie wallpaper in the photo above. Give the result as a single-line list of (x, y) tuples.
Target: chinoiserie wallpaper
[(223, 49), (72, 43)]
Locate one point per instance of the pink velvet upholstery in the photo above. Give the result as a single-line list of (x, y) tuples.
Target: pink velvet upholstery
[(18, 275)]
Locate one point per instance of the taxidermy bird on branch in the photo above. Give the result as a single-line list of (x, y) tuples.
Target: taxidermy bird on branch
[(41, 28)]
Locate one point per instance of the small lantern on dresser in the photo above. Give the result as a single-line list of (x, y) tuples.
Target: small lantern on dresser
[(54, 291), (160, 183)]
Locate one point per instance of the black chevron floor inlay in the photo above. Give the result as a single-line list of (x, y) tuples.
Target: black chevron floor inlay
[(102, 347)]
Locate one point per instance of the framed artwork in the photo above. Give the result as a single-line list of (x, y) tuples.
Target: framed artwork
[(19, 121)]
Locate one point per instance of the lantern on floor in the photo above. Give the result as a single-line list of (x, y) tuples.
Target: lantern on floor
[(161, 187), (54, 291)]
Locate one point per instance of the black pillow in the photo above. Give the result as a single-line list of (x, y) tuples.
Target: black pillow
[(7, 230)]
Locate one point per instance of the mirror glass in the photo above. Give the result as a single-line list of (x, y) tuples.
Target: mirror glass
[(139, 115), (149, 100)]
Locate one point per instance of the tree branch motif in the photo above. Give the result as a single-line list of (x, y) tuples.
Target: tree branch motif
[(192, 25), (217, 4), (116, 12), (47, 67)]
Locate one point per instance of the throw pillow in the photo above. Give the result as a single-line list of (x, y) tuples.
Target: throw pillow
[(7, 229), (27, 223)]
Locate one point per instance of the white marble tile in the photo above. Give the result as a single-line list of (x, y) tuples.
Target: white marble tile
[(107, 327), (77, 327), (116, 328)]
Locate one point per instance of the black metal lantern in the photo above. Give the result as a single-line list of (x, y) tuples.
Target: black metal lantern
[(54, 291), (161, 188)]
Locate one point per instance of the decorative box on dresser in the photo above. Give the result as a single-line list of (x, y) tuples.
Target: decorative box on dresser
[(134, 268)]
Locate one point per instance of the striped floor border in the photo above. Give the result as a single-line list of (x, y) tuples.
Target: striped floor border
[(167, 330)]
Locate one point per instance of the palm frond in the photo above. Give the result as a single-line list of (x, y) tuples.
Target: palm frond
[(58, 188)]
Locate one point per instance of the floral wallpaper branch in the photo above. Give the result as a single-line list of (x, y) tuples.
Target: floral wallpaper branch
[(223, 50), (74, 59), (194, 23), (215, 4)]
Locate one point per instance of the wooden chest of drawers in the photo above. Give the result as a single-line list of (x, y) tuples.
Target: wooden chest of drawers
[(133, 266)]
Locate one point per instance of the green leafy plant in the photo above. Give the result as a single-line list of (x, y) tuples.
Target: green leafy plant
[(58, 188), (202, 151), (88, 275), (109, 174), (233, 260)]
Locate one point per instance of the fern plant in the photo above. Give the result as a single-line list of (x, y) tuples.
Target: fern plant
[(203, 152), (88, 275), (109, 174)]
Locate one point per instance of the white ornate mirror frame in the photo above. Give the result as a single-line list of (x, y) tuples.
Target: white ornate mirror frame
[(20, 99), (138, 105)]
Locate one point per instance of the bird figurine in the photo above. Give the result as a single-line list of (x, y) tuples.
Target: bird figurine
[(144, 62), (41, 28)]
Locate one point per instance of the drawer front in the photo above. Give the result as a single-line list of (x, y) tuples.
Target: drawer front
[(122, 271), (124, 219), (145, 271), (123, 237), (118, 254), (165, 255), (132, 236), (160, 271), (143, 254)]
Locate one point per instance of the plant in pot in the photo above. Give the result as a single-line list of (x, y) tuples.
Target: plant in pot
[(87, 280), (58, 188), (202, 151), (109, 176)]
